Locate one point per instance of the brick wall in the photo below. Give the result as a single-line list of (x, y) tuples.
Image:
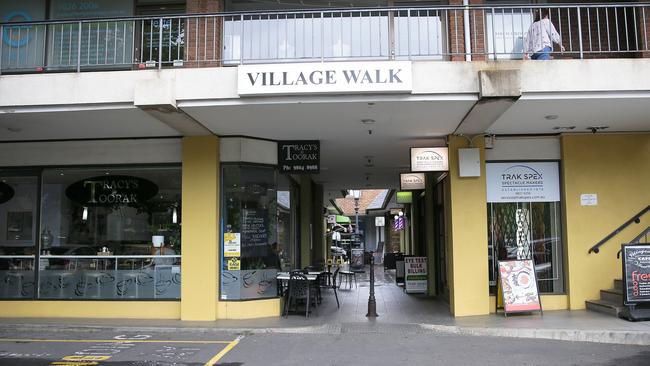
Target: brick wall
[(203, 34)]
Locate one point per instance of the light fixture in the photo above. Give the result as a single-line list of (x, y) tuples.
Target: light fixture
[(551, 117), (174, 216), (368, 121), (400, 213), (84, 214), (355, 193), (564, 128), (14, 129), (595, 129)]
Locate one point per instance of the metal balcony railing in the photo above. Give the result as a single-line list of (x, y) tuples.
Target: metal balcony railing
[(432, 33)]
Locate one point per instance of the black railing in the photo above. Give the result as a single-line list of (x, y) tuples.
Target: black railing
[(634, 219)]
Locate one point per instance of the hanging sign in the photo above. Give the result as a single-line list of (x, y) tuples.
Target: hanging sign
[(523, 182), (380, 221), (519, 286), (636, 273), (6, 192), (415, 272), (299, 157), (429, 159), (231, 244), (110, 190), (325, 78), (411, 181)]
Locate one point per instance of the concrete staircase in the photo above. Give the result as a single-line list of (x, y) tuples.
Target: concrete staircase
[(610, 302)]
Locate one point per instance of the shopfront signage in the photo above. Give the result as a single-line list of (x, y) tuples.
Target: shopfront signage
[(380, 221), (523, 182), (636, 273), (111, 190), (325, 78), (232, 245), (429, 159), (411, 181), (299, 157), (6, 192), (519, 286), (415, 272)]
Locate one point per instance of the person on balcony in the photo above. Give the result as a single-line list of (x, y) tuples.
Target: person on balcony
[(538, 41)]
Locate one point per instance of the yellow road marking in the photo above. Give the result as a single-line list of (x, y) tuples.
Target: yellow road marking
[(110, 341), (223, 352)]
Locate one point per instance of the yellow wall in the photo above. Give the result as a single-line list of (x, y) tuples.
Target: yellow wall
[(469, 291), (617, 168), (200, 238), (91, 309), (249, 309)]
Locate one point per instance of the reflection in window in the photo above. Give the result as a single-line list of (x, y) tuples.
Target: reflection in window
[(256, 222), (111, 233), (17, 235)]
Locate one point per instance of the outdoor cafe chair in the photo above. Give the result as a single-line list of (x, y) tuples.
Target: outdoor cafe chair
[(299, 289)]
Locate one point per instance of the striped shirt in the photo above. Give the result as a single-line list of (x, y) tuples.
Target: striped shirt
[(540, 34)]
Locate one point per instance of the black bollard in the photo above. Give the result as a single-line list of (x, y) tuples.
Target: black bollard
[(372, 304)]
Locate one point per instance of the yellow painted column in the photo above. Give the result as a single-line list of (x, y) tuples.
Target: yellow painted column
[(469, 289), (615, 167), (200, 233)]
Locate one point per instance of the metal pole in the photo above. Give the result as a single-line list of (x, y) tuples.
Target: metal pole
[(372, 304)]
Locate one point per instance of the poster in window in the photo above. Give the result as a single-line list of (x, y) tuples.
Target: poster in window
[(254, 224), (231, 244), (636, 273), (519, 286)]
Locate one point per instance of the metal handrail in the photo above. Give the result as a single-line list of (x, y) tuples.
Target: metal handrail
[(634, 219), (636, 240)]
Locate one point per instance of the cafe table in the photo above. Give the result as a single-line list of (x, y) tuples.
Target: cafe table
[(285, 276)]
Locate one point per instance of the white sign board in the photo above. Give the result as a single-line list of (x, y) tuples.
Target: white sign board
[(231, 244), (331, 219), (411, 181), (523, 182), (415, 272), (429, 159), (589, 199), (325, 78), (380, 221)]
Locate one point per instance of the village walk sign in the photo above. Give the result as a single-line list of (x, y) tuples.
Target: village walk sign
[(325, 78)]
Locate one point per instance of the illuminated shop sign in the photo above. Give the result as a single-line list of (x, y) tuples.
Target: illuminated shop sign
[(335, 77), (111, 190), (299, 157), (429, 159), (411, 181), (6, 192), (523, 182)]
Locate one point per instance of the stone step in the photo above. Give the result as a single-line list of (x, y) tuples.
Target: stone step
[(618, 284), (603, 306), (612, 295)]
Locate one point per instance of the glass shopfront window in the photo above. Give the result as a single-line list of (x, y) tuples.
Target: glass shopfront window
[(524, 220), (110, 233), (257, 227), (18, 205)]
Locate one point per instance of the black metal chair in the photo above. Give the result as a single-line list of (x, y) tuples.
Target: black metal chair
[(299, 288), (333, 286)]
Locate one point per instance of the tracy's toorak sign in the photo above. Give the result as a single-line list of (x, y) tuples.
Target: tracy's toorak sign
[(325, 78)]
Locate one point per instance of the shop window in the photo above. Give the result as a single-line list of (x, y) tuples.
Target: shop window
[(256, 232), (524, 220), (17, 235), (110, 233)]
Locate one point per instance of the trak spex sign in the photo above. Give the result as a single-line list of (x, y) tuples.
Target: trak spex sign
[(411, 181), (299, 157), (636, 273), (429, 159)]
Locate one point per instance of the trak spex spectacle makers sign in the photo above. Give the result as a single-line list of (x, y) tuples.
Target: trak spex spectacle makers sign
[(429, 159), (299, 157), (523, 182), (411, 181), (111, 190)]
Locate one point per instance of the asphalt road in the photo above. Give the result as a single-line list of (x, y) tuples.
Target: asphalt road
[(348, 345)]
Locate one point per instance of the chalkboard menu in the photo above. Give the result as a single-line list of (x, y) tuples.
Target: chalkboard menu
[(636, 273), (254, 225)]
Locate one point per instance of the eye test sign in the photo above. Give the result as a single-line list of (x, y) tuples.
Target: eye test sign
[(415, 271), (636, 273)]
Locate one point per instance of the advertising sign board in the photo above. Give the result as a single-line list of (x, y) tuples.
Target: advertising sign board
[(231, 244), (523, 182), (429, 159), (519, 286), (636, 273), (411, 181), (299, 157), (415, 271)]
